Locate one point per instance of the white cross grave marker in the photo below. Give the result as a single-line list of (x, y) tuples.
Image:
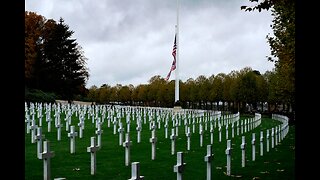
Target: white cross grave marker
[(279, 133), (153, 141), (243, 149), (219, 133), (80, 124), (127, 145), (128, 124), (227, 131), (48, 119), (253, 142), (208, 158), (188, 134), (28, 123), (99, 132), (232, 129), (272, 137), (193, 126), (245, 125), (92, 118), (205, 125), (228, 153), (211, 134), (139, 132), (166, 130), (115, 122), (173, 139), (179, 167), (276, 135), (135, 171), (120, 130), (150, 125), (72, 135), (38, 139), (261, 143), (108, 119), (98, 121), (33, 128), (92, 149), (242, 124), (267, 140), (238, 128), (59, 126), (185, 126), (201, 135), (153, 126), (46, 155), (177, 127), (67, 123), (40, 119)]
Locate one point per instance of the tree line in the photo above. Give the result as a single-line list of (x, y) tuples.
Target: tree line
[(235, 91)]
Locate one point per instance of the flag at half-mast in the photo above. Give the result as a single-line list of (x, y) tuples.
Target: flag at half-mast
[(174, 52)]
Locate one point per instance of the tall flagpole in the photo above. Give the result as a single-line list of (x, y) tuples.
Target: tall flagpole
[(176, 97)]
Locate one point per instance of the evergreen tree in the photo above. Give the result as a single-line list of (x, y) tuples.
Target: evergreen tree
[(64, 70)]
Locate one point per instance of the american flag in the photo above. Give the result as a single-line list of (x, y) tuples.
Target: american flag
[(174, 52)]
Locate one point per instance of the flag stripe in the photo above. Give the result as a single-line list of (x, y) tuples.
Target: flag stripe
[(174, 53)]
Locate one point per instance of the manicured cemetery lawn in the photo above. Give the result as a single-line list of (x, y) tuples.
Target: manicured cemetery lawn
[(278, 163)]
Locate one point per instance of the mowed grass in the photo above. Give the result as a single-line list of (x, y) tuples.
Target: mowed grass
[(278, 163)]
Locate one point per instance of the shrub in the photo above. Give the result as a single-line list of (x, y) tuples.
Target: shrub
[(35, 95)]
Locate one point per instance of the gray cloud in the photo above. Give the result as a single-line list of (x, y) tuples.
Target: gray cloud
[(129, 41)]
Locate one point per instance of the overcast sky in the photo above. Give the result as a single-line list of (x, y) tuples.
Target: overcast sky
[(130, 41)]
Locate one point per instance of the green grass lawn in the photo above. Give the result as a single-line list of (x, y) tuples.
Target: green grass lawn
[(278, 163)]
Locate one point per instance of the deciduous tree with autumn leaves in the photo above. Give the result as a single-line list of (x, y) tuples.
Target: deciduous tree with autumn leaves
[(282, 45), (54, 62)]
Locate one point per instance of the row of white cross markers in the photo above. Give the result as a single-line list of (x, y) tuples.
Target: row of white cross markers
[(277, 134)]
